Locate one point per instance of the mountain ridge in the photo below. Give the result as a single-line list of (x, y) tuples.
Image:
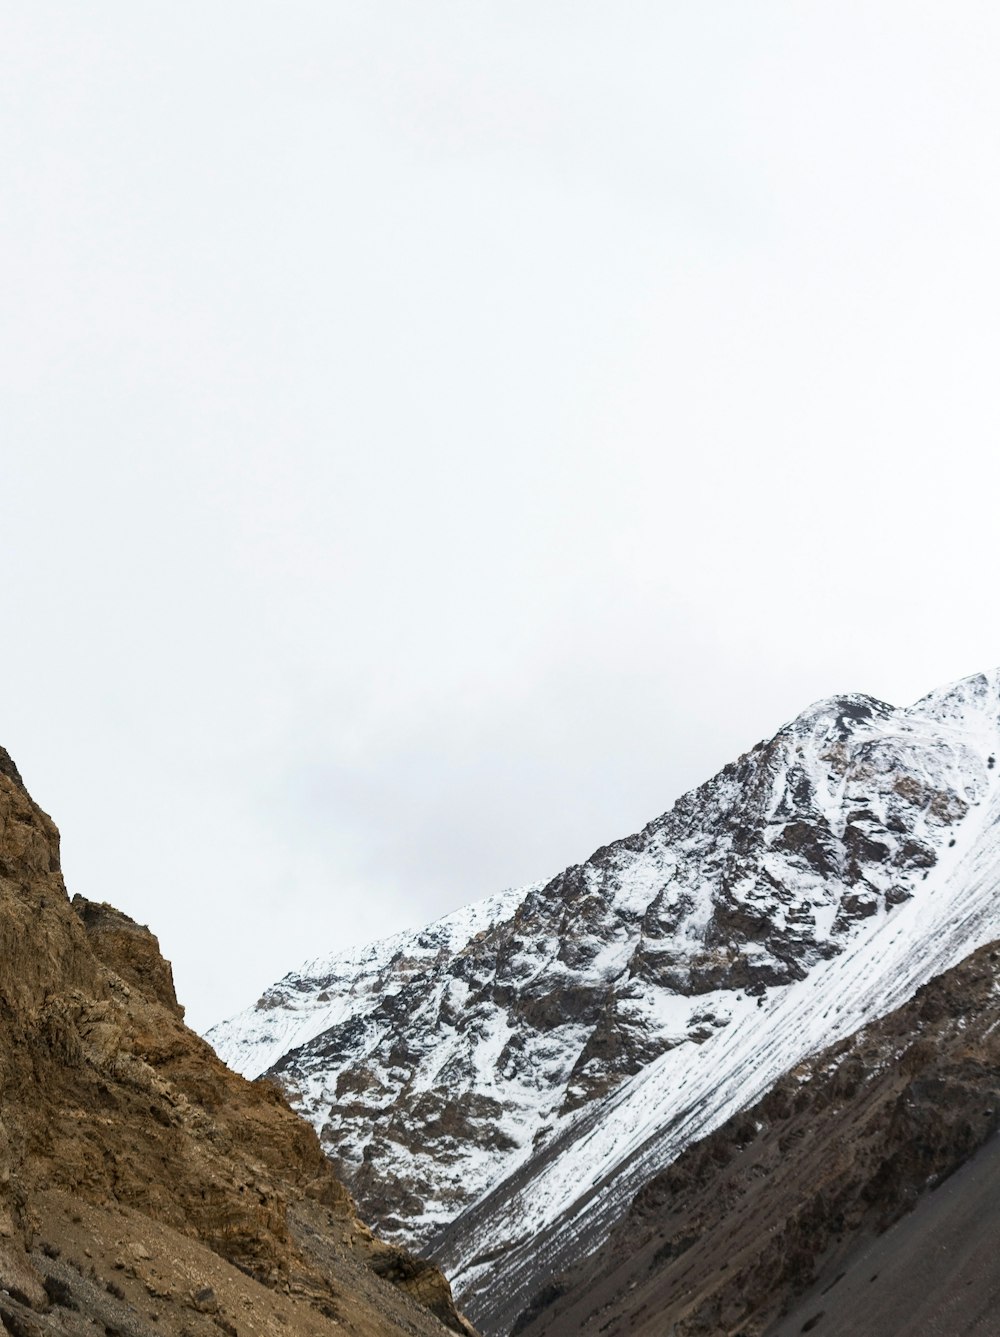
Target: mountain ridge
[(586, 1025)]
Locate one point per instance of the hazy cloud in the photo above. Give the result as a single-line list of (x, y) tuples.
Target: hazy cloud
[(435, 436)]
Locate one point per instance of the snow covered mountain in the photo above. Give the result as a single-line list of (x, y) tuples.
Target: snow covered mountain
[(860, 1197), (497, 1087)]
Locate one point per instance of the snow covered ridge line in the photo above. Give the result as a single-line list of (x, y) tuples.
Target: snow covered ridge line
[(311, 999), (574, 1023), (557, 1208)]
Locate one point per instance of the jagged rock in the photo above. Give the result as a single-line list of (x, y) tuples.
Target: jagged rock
[(128, 1141), (129, 949), (18, 1276), (440, 1056)]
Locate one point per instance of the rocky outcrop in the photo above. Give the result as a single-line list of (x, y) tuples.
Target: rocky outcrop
[(836, 1152), (133, 1161)]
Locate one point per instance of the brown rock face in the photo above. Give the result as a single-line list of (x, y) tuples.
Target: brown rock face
[(119, 1127), (130, 950)]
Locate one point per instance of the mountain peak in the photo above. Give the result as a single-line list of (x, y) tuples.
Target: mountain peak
[(549, 1046), (974, 698)]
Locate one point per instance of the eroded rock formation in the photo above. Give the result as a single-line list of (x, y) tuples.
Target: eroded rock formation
[(143, 1186)]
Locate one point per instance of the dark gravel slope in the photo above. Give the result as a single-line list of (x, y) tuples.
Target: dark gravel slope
[(936, 1273), (786, 1196)]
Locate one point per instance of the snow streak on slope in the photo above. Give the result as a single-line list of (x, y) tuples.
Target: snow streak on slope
[(560, 1206), (555, 1048)]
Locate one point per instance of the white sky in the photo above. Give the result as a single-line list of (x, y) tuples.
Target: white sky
[(435, 435)]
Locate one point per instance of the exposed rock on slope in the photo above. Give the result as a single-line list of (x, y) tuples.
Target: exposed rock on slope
[(557, 1047), (837, 1151), (143, 1186)]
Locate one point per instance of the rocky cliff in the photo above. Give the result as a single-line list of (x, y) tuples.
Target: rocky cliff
[(522, 1068), (144, 1187)]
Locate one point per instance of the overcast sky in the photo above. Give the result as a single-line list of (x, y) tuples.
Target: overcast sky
[(435, 435)]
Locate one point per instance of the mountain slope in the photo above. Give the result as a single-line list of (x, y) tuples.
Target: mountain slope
[(792, 1192), (933, 1272), (572, 1042), (143, 1186)]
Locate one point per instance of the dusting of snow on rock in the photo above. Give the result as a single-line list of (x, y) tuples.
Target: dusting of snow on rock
[(497, 1087), (334, 988)]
